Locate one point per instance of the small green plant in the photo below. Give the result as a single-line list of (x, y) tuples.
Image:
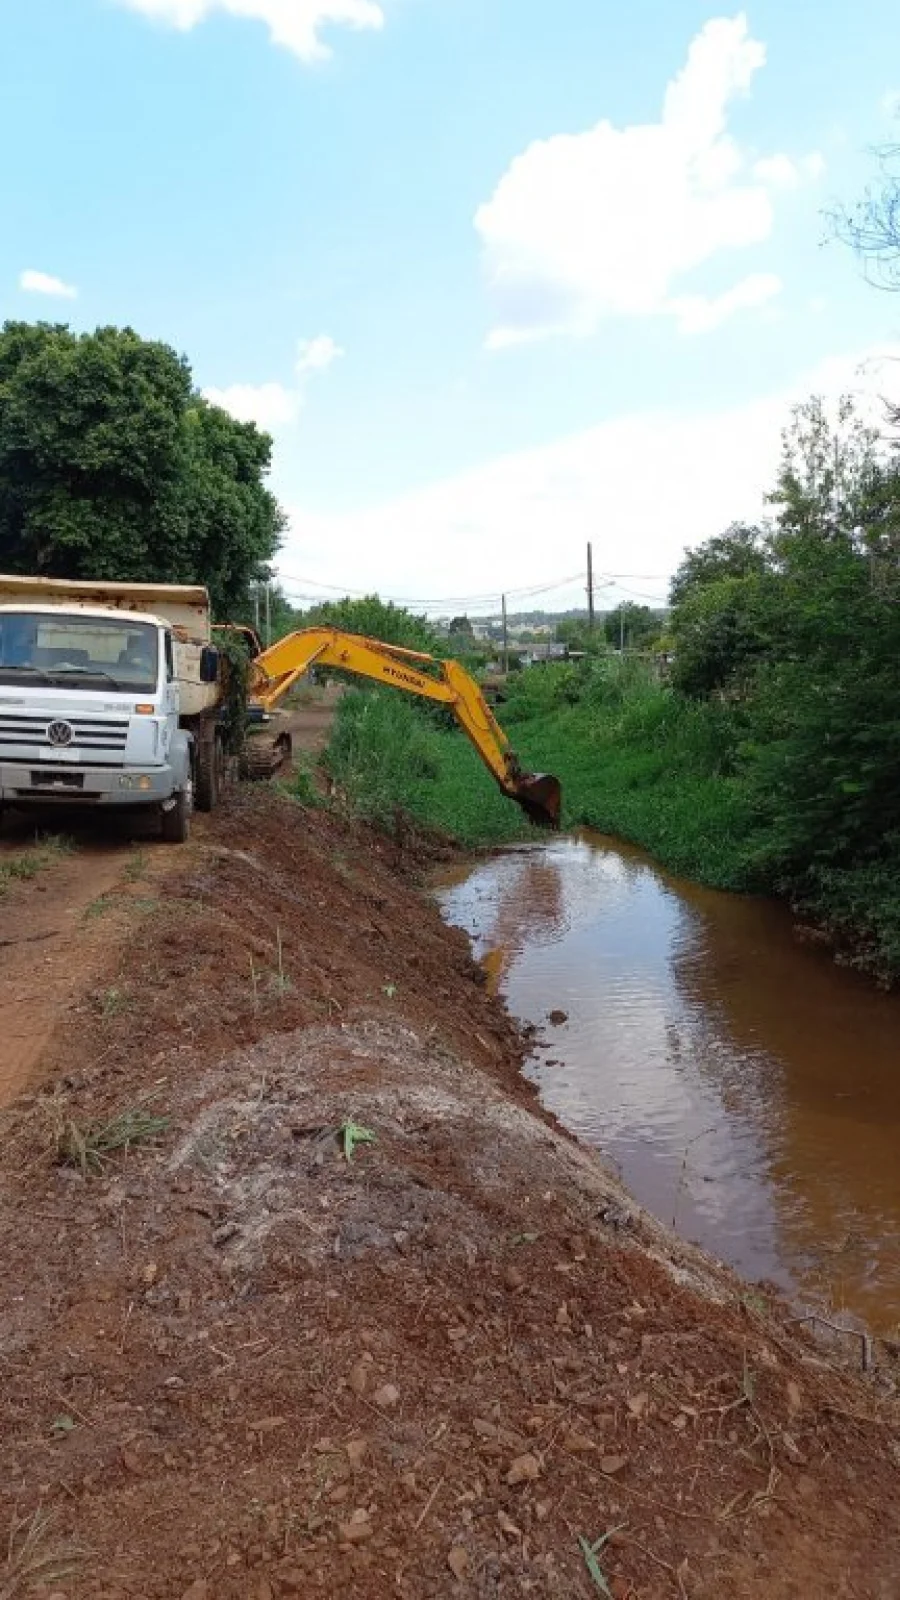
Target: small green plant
[(98, 908), (36, 858), (302, 785), (34, 1557), (351, 1134), (90, 1148), (114, 1002), (136, 867), (279, 982), (591, 1553)]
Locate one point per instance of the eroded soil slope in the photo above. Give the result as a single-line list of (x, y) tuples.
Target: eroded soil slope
[(258, 1356)]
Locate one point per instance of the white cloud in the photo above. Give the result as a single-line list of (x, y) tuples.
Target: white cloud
[(294, 24), (699, 313), (642, 487), (890, 105), (44, 283), (606, 222), (269, 405), (273, 406), (780, 172), (317, 355)]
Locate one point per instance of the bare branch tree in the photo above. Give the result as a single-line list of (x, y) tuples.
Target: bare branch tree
[(872, 227)]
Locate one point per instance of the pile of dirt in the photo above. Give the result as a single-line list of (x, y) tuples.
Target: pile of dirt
[(357, 1319)]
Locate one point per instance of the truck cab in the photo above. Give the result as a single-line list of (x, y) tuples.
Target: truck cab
[(97, 702)]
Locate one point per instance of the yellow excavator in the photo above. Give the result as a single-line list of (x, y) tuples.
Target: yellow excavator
[(275, 671)]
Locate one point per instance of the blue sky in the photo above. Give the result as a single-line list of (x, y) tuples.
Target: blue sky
[(499, 276)]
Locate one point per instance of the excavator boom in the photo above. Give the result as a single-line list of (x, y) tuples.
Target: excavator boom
[(277, 669)]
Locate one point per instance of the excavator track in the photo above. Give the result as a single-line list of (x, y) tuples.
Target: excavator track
[(263, 758)]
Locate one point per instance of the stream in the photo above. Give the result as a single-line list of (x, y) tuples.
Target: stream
[(743, 1086)]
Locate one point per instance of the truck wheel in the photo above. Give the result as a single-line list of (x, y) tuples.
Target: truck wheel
[(176, 822), (210, 773)]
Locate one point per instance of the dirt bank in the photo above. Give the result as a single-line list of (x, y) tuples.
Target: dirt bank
[(237, 1363)]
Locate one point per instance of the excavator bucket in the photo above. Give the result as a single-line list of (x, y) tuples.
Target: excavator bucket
[(540, 796)]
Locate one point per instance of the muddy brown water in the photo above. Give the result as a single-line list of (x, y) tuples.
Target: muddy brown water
[(742, 1084)]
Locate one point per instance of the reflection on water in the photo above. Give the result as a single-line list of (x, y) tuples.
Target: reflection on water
[(739, 1080)]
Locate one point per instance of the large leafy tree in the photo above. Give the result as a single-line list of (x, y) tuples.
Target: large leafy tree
[(635, 626), (112, 466), (799, 623), (577, 633), (739, 552), (714, 626), (827, 745), (377, 619)]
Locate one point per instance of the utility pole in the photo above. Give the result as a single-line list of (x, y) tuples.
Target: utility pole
[(590, 587), (505, 637), (256, 606), (622, 627), (268, 613)]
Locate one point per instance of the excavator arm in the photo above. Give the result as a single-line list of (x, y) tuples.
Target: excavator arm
[(276, 670)]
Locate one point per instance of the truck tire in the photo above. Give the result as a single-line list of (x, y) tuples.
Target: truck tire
[(176, 822), (210, 775)]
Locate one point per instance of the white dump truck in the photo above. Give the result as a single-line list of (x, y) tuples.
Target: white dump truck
[(111, 694)]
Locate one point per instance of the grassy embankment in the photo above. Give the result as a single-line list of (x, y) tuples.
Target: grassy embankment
[(680, 777), (633, 760)]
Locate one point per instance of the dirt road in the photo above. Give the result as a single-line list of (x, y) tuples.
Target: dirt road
[(56, 931), (59, 929), (356, 1319), (309, 720)]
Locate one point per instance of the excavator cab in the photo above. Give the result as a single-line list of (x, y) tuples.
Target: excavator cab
[(540, 796)]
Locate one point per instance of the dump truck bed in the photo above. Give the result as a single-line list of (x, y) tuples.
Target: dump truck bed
[(184, 606)]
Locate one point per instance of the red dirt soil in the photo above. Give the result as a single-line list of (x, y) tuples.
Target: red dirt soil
[(237, 1363)]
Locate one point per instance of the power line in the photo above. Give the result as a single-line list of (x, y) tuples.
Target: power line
[(304, 585), (434, 600), (637, 594)]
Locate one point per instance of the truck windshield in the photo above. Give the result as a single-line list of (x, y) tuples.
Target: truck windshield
[(65, 648)]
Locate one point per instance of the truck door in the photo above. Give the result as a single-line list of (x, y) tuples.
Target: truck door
[(170, 695)]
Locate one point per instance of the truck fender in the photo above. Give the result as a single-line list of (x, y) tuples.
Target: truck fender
[(181, 756)]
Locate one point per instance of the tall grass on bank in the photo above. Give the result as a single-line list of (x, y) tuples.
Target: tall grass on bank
[(633, 760), (387, 753), (637, 760), (640, 762)]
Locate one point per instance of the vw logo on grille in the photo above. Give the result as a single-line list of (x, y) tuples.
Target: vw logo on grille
[(60, 733)]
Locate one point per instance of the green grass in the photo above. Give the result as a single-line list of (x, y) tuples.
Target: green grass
[(640, 762), (649, 786), (90, 1148), (636, 760), (36, 858), (633, 759), (386, 755)]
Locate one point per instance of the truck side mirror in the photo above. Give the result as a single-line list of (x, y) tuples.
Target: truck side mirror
[(209, 664)]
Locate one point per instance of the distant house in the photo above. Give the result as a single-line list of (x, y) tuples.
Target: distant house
[(536, 655)]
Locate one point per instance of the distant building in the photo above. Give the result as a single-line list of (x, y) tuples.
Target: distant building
[(536, 654)]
